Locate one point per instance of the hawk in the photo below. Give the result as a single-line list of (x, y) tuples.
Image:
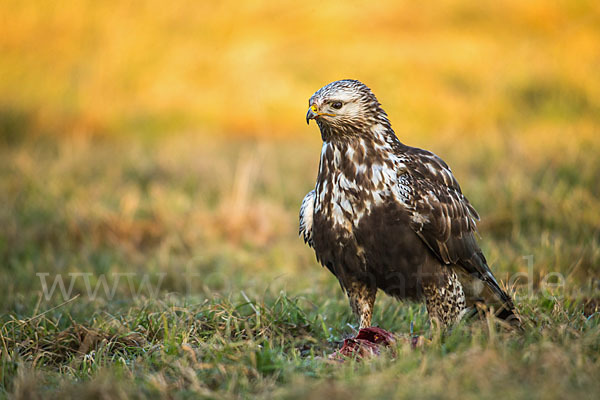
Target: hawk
[(387, 216)]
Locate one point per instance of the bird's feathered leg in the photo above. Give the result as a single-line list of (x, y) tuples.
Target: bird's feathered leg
[(445, 298), (362, 297)]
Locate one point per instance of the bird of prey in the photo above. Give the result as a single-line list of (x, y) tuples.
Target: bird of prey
[(387, 216)]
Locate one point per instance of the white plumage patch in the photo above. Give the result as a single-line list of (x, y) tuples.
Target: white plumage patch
[(307, 210), (420, 219)]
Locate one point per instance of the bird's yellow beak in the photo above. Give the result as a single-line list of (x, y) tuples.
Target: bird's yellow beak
[(312, 113)]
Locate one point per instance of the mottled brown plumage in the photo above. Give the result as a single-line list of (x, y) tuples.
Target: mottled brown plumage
[(387, 216)]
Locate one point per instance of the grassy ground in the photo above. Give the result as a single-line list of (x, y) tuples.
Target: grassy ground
[(209, 292)]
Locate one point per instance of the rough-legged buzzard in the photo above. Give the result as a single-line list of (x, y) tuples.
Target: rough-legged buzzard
[(387, 216)]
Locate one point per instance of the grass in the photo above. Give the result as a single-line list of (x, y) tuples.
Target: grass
[(140, 258), (188, 278)]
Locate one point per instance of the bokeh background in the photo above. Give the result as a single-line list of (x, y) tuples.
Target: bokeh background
[(231, 68), (151, 137), (142, 135), (179, 126)]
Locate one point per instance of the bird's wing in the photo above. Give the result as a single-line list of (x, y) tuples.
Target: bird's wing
[(306, 218), (442, 216)]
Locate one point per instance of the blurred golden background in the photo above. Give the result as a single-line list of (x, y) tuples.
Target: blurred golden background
[(137, 136), (248, 68), (165, 143)]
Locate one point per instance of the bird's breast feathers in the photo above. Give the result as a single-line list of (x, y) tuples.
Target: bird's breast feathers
[(355, 179)]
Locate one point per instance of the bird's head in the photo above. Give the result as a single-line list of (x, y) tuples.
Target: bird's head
[(345, 108)]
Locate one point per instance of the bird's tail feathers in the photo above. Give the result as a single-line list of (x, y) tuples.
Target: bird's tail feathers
[(488, 295)]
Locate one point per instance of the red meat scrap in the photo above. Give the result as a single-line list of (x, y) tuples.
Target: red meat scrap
[(368, 343)]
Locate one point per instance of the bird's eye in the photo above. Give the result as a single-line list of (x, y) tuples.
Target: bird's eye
[(337, 105)]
